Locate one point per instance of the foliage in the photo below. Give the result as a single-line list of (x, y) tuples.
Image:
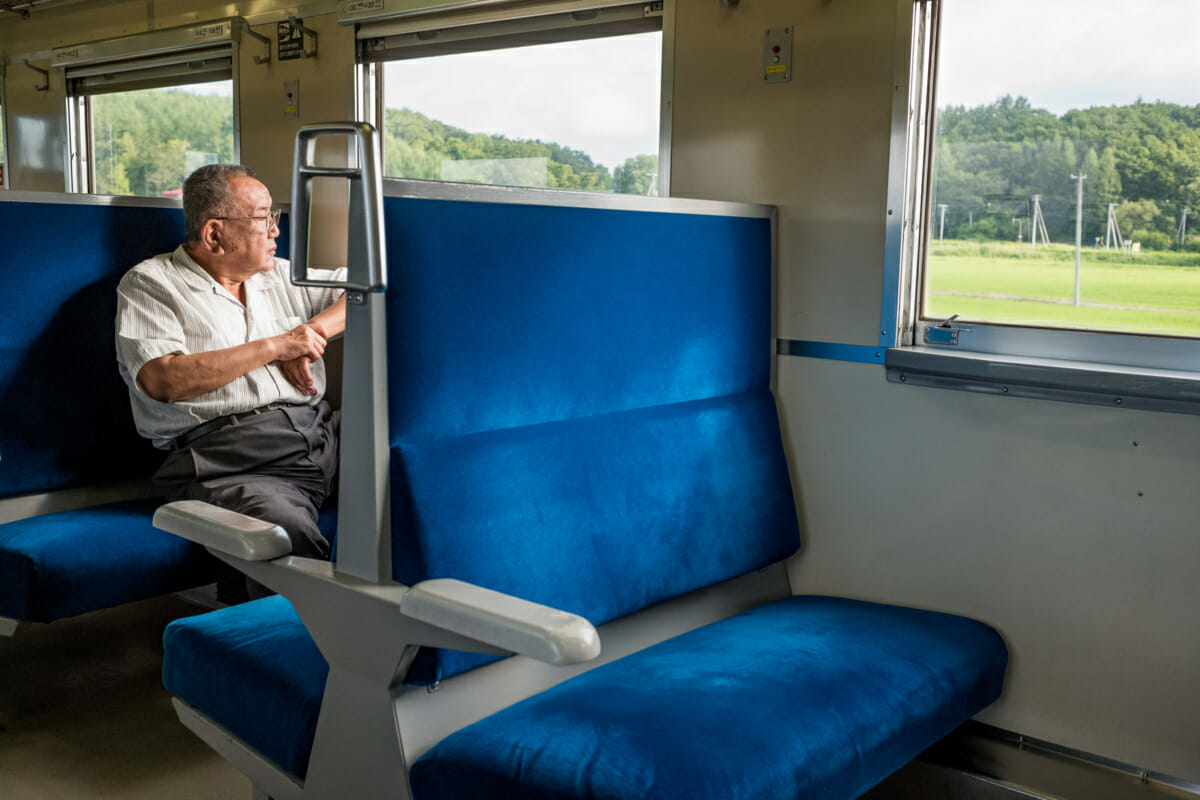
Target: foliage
[(147, 142), (991, 161), (416, 146), (638, 175), (1137, 215), (1151, 240)]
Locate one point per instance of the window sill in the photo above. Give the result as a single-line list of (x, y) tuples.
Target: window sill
[(1176, 391)]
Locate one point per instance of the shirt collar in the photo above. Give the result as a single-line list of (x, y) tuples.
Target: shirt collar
[(192, 273), (196, 277)]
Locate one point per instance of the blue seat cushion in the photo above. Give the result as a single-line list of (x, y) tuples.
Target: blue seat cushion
[(599, 516), (66, 563), (254, 670), (807, 697)]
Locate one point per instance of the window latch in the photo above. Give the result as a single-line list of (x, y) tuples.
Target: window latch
[(943, 333)]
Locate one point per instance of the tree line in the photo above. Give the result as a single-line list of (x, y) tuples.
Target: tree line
[(147, 142), (416, 146), (991, 160)]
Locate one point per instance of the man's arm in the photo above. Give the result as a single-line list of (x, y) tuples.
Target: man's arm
[(330, 323), (175, 377)]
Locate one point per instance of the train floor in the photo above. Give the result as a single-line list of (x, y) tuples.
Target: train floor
[(84, 715)]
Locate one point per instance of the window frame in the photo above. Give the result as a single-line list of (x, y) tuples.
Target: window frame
[(491, 24), (1129, 370), (4, 138), (156, 60)]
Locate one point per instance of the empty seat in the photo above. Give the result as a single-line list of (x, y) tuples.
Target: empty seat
[(66, 563), (812, 697), (254, 668)]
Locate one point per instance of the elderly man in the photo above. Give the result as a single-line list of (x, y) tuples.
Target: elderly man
[(222, 357)]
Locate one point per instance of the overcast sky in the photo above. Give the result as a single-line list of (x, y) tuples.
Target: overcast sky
[(1065, 54), (600, 96)]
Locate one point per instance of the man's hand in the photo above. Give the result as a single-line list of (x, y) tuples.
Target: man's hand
[(303, 341), (297, 349), (299, 374)]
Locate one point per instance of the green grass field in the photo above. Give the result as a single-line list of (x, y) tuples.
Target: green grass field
[(1014, 283)]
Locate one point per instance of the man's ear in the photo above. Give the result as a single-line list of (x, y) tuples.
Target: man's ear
[(210, 237)]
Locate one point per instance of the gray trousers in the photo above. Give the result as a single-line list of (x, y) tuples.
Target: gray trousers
[(277, 465)]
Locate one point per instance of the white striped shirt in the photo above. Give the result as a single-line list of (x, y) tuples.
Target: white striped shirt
[(169, 304)]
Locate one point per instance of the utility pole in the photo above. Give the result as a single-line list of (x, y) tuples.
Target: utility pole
[(1078, 229), (1020, 228), (1183, 228), (942, 226), (1038, 224), (1112, 236)]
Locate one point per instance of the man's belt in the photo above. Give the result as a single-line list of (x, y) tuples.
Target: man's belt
[(204, 428)]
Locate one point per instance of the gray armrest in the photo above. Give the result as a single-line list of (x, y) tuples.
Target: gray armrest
[(503, 621), (223, 530)]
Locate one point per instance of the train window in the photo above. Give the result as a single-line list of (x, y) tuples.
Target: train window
[(147, 110), (146, 142), (564, 100), (1046, 179)]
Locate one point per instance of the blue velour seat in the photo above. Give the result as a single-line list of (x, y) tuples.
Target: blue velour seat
[(580, 416), (66, 563), (255, 656), (65, 420), (812, 697), (225, 672)]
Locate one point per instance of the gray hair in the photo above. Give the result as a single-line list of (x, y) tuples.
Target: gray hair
[(207, 195)]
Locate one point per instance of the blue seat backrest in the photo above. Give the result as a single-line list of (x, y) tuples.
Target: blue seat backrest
[(64, 411), (579, 404)]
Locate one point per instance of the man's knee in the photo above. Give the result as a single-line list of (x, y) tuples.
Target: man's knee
[(278, 502)]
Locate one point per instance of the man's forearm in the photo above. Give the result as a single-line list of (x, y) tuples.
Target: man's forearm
[(179, 377), (331, 321), (176, 377)]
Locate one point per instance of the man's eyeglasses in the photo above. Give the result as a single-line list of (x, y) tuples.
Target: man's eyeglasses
[(271, 219)]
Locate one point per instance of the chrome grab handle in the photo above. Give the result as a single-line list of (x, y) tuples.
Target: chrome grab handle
[(366, 261)]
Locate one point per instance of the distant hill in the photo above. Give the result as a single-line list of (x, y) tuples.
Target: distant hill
[(416, 146), (1143, 158)]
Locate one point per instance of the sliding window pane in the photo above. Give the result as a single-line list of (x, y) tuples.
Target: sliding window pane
[(147, 142), (1066, 166), (572, 115)]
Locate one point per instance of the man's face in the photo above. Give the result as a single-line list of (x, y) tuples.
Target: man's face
[(249, 244)]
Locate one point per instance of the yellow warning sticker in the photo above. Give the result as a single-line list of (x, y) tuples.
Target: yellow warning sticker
[(776, 68)]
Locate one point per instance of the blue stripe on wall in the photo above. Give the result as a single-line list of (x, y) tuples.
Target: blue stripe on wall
[(830, 350)]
